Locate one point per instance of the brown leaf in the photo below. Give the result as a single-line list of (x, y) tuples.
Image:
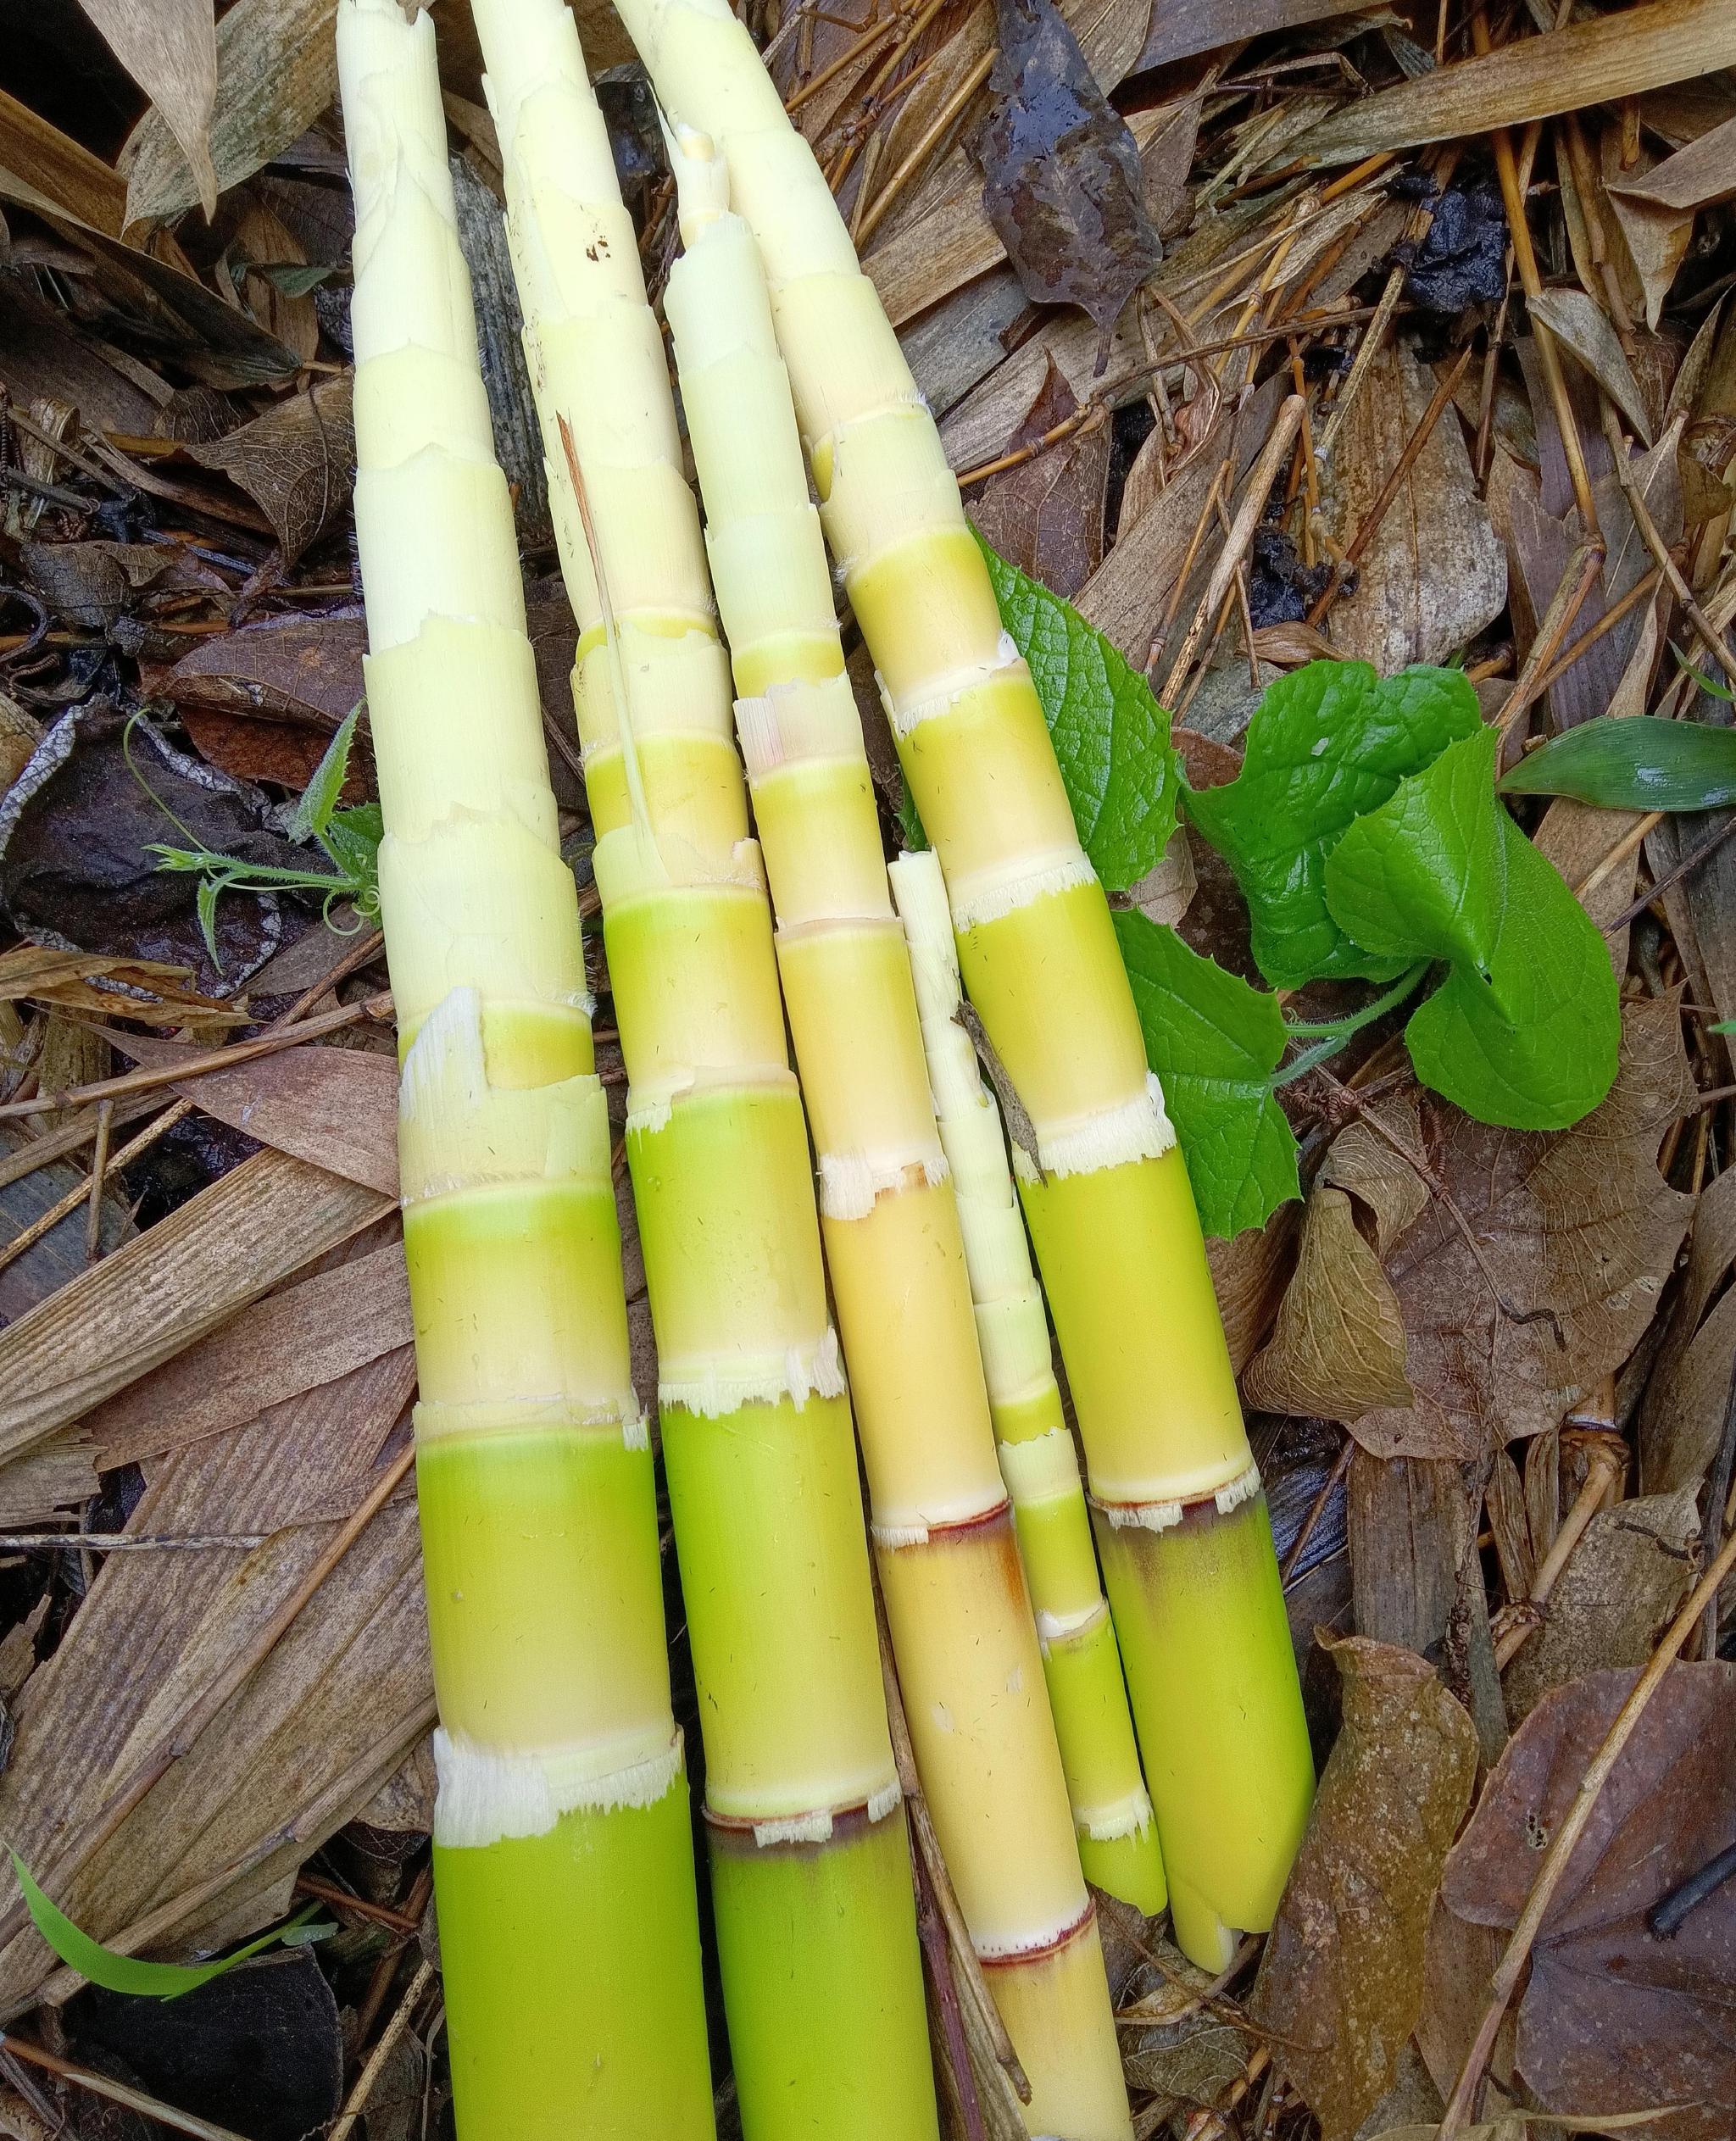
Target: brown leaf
[(1577, 1222), (1590, 63), (1682, 1418), (1340, 1985), (297, 461), (40, 166), (170, 48), (1617, 1594), (1366, 1162), (1434, 573), (1572, 317), (224, 1247), (1338, 1349), (336, 1108), (1061, 176), (1046, 515), (276, 72), (156, 994), (1698, 176), (263, 703), (1247, 1277), (312, 1332), (1613, 2016)]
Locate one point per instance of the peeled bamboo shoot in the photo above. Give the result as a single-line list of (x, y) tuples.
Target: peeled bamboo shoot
[(562, 1852)]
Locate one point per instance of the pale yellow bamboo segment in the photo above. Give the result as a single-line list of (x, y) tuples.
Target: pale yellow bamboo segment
[(812, 1886), (561, 1820), (1039, 959), (956, 1603)]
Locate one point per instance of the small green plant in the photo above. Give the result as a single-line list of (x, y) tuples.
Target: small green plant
[(349, 839), (1366, 835), (118, 1973)]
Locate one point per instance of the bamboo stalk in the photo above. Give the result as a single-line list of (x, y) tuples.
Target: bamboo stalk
[(1191, 1575), (562, 1846), (810, 1870), (960, 1617)]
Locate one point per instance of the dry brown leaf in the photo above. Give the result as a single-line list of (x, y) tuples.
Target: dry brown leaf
[(1363, 1160), (1617, 1594), (297, 461), (303, 1335), (1574, 318), (1046, 515), (146, 990), (1338, 1349), (1682, 1418), (1248, 1276), (1592, 62), (336, 1108), (276, 72), (315, 1729), (170, 48), (1340, 1985), (1576, 1223), (41, 167), (1698, 176), (189, 1272), (1611, 2015), (1434, 573)]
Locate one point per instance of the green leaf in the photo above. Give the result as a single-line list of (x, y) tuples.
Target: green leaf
[(1327, 742), (1634, 762), (319, 799), (1524, 1029), (118, 1973), (1110, 736), (352, 839), (1214, 1042), (205, 904), (912, 836), (294, 278)]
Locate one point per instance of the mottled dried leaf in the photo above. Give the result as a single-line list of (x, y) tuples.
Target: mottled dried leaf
[(297, 461), (1612, 2016), (1578, 1224), (1061, 176), (1341, 1983), (1338, 1349), (170, 48)]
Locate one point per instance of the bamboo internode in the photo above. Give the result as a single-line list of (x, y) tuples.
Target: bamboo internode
[(816, 1916), (562, 1852), (1192, 1578), (962, 1630)]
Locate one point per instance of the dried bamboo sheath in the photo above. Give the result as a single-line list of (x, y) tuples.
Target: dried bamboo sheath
[(563, 1856), (1182, 1524)]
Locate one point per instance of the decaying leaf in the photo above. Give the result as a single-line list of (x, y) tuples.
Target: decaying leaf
[(1061, 176), (170, 48), (1572, 317), (263, 703), (1613, 2016), (1338, 1349), (276, 72), (1574, 1233), (1046, 515), (1341, 1983), (1620, 1590), (297, 461), (1682, 1418)]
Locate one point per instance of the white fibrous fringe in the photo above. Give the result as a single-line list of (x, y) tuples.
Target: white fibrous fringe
[(1040, 1470), (648, 1112), (816, 1826), (986, 897), (850, 1181), (1128, 1817), (916, 1527), (489, 1792), (1160, 1516), (1241, 1489), (940, 700), (1057, 1627), (892, 1535), (712, 1388), (1140, 1129), (881, 1803)]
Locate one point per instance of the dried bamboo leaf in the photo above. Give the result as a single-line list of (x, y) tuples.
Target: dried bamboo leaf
[(1573, 318), (187, 1274), (41, 167), (170, 48), (1563, 70)]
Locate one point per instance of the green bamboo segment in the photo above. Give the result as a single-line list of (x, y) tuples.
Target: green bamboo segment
[(815, 1914), (956, 1603), (1081, 1661), (1120, 1251), (563, 1851)]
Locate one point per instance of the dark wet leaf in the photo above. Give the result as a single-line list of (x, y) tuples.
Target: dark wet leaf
[(1046, 515), (1341, 1983), (1061, 176), (1461, 259), (1281, 589), (296, 462), (93, 585), (1637, 762), (76, 831), (1613, 2017), (258, 2050)]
